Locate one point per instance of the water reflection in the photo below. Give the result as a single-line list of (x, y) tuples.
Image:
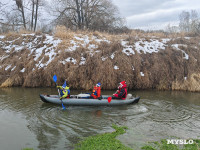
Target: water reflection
[(46, 126)]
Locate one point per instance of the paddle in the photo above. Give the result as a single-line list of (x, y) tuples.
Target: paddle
[(55, 80), (110, 98)]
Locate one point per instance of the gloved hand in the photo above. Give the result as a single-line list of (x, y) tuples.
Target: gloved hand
[(116, 95), (57, 86), (100, 98)]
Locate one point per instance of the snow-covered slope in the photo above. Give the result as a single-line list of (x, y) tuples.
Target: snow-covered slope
[(26, 53)]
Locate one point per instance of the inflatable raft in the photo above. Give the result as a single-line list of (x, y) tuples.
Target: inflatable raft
[(85, 101)]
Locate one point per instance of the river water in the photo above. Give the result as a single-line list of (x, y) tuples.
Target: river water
[(25, 121)]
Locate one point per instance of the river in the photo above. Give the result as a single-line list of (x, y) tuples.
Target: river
[(25, 121)]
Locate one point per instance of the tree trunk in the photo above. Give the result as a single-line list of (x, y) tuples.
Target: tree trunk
[(82, 14), (78, 13), (36, 14), (86, 14), (33, 7), (23, 16)]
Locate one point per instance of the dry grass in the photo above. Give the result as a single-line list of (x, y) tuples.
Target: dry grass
[(23, 31), (191, 84), (7, 83), (63, 33), (164, 70)]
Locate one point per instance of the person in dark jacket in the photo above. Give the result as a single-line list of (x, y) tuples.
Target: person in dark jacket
[(121, 92)]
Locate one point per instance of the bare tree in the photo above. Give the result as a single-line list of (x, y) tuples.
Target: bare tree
[(189, 22), (88, 14), (194, 21), (26, 14), (20, 6), (184, 18)]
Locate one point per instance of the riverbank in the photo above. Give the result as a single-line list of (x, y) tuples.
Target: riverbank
[(103, 141), (144, 60), (108, 141)]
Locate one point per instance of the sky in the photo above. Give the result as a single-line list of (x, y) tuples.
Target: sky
[(151, 14), (154, 14)]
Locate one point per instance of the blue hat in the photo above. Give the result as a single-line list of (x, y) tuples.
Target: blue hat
[(99, 84), (64, 85)]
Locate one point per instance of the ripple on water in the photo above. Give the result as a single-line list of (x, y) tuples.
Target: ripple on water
[(166, 111)]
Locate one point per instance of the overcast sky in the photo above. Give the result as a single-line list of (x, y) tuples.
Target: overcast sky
[(151, 14), (154, 14)]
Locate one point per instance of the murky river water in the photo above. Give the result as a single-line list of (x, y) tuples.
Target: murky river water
[(25, 121)]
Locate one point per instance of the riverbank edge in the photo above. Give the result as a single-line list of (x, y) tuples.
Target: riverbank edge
[(103, 141), (114, 89), (109, 141)]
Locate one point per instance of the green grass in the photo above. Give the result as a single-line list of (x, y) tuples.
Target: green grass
[(106, 141)]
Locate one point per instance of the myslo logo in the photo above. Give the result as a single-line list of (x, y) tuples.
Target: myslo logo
[(179, 141)]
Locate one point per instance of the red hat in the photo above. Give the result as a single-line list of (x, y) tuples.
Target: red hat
[(123, 82)]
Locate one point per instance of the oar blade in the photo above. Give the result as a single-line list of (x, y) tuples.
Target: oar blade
[(63, 106), (109, 99), (55, 78)]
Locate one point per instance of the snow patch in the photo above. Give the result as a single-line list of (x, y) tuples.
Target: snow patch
[(8, 67), (112, 56), (13, 68), (51, 55), (103, 58), (18, 48), (116, 67), (83, 60), (32, 34), (149, 47), (128, 49), (92, 46), (142, 74), (2, 36), (50, 40), (187, 38), (176, 46), (84, 41), (4, 57), (69, 59), (23, 70), (38, 52)]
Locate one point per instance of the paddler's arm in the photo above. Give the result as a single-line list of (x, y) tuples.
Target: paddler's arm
[(59, 87), (65, 95)]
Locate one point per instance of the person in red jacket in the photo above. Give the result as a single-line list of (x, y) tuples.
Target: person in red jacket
[(121, 92), (96, 93)]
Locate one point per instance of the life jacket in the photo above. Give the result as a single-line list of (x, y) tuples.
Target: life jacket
[(96, 93), (65, 92), (122, 95)]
